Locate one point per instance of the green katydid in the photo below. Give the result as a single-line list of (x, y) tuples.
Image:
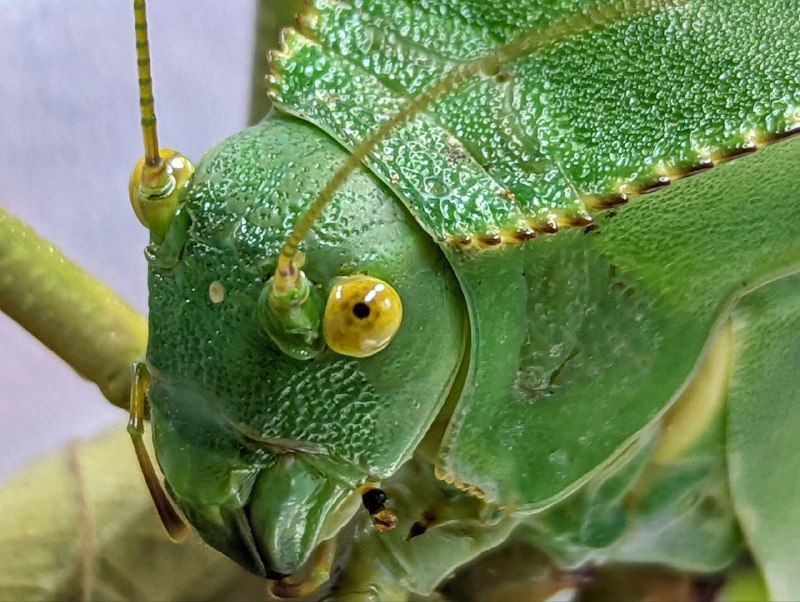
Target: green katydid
[(592, 343)]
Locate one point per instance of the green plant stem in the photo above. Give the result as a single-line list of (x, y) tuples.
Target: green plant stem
[(72, 313)]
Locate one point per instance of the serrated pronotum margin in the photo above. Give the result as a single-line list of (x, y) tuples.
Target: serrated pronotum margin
[(591, 123), (446, 196)]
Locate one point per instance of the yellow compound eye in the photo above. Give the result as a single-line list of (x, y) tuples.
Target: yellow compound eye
[(362, 316)]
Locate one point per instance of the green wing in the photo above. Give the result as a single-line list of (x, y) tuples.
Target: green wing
[(579, 340)]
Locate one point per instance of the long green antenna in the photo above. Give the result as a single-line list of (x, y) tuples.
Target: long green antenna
[(155, 190), (286, 272), (160, 179), (153, 174)]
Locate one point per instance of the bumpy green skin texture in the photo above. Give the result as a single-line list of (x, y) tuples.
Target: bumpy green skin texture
[(578, 341), (763, 446), (586, 524), (224, 398), (614, 323), (615, 106)]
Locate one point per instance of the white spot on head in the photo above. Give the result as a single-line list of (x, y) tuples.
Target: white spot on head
[(216, 292)]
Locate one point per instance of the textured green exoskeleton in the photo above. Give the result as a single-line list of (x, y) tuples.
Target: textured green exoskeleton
[(589, 353), (584, 359), (221, 387)]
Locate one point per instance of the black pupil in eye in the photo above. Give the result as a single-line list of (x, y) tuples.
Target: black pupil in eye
[(361, 310)]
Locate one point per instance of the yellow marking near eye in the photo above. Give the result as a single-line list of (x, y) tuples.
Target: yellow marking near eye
[(362, 316)]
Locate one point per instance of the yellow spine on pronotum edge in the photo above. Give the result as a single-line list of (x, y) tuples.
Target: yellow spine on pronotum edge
[(287, 272)]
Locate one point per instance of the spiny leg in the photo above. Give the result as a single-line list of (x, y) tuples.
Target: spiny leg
[(174, 524)]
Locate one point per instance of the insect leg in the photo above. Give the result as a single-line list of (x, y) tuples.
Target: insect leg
[(173, 523)]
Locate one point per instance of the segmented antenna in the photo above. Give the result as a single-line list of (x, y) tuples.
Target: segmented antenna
[(153, 173), (286, 273), (160, 179), (154, 195)]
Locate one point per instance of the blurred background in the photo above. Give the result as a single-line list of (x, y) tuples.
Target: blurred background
[(69, 137)]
